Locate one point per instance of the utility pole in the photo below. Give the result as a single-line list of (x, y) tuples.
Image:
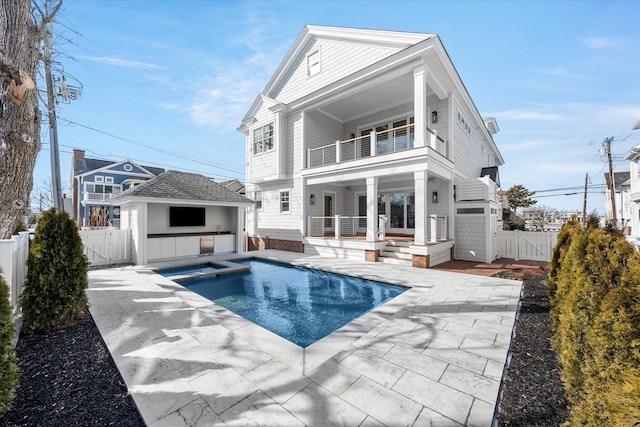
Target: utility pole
[(53, 127), (607, 144), (584, 206)]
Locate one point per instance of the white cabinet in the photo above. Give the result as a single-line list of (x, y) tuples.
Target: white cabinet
[(187, 246), (224, 243)]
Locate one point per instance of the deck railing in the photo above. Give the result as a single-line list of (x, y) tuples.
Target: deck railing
[(340, 226), (375, 144), (98, 196)]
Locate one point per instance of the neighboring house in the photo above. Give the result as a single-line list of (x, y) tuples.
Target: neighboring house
[(634, 188), (179, 214), (624, 206), (534, 219), (365, 144), (234, 185), (96, 182)]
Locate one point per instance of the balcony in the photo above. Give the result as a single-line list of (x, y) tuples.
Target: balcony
[(97, 197), (375, 144)]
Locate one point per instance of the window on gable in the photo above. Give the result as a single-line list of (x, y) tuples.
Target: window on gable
[(263, 139), (284, 202), (313, 63), (108, 179), (99, 178)]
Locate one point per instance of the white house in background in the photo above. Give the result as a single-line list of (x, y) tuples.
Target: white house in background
[(365, 144), (634, 188), (179, 214), (624, 206)]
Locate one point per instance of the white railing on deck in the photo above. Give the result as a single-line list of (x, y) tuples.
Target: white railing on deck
[(338, 226), (98, 196), (375, 144)]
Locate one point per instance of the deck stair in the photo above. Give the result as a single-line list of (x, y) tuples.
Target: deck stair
[(396, 252)]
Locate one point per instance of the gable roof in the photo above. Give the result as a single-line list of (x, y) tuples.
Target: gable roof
[(86, 165), (399, 40), (176, 185), (619, 179)]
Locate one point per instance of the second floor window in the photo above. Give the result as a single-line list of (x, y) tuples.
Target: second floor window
[(263, 139), (103, 188)]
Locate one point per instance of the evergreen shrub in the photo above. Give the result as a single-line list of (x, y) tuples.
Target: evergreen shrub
[(9, 371), (596, 319), (54, 293)]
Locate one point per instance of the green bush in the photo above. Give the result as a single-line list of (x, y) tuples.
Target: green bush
[(54, 293), (9, 371), (596, 320)]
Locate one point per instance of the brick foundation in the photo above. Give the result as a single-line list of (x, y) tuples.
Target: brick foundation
[(260, 244), (371, 256), (420, 261)]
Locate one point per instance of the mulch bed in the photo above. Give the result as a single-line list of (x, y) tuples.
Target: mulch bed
[(68, 376), (69, 379), (533, 394)]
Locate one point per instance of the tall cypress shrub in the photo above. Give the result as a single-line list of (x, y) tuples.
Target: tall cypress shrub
[(54, 293), (9, 371)]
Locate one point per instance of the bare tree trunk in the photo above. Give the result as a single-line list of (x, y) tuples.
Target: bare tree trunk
[(20, 117)]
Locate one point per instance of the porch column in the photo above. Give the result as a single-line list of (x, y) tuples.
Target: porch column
[(420, 104), (240, 234), (421, 191), (372, 208)]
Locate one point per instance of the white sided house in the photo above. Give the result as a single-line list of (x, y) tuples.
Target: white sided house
[(365, 144)]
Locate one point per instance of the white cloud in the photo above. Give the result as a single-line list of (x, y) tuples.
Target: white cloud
[(118, 62), (598, 43), (530, 145), (518, 114)]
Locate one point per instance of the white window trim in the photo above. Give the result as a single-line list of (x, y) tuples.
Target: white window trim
[(108, 180), (280, 192), (255, 197), (310, 74), (98, 178), (273, 137)]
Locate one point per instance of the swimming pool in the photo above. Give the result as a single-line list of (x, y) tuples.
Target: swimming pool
[(299, 304)]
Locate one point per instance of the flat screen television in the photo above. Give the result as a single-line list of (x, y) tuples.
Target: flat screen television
[(182, 216)]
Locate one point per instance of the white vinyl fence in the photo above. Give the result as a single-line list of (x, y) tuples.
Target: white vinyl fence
[(13, 261), (526, 245), (106, 246)]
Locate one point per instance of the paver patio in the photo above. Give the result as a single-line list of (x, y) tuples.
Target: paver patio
[(435, 355)]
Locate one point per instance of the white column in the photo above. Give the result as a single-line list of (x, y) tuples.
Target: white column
[(337, 227), (372, 208), (421, 194), (338, 159), (240, 224), (420, 104)]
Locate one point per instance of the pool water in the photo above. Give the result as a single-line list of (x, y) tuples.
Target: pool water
[(299, 304), (191, 269)]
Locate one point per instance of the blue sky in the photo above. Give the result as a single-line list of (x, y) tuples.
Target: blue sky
[(166, 83)]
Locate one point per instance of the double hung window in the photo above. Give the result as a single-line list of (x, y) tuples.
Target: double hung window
[(263, 139), (284, 202)]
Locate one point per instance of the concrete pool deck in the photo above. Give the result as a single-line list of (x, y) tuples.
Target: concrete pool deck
[(435, 355)]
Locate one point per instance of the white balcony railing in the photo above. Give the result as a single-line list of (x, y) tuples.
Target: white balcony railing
[(97, 197), (375, 144)]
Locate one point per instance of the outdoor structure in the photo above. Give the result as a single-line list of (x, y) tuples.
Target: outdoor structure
[(624, 205), (365, 144), (634, 190), (179, 214), (96, 182)]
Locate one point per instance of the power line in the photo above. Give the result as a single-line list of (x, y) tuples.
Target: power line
[(71, 122)]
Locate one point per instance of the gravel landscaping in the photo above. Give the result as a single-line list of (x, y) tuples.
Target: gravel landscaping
[(68, 377)]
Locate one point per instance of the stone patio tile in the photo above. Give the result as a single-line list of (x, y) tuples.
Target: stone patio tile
[(277, 380), (385, 405), (193, 414), (241, 356), (195, 362), (259, 410), (498, 328), (213, 336), (445, 340), (481, 414), (494, 370), (174, 342), (374, 345), (471, 332), (468, 382), (189, 317), (333, 376), (462, 359), (435, 396), (371, 422), (380, 370), (417, 362), (317, 407), (432, 418), (159, 398), (503, 341), (489, 351), (222, 388)]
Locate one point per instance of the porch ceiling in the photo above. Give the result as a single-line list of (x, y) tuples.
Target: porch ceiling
[(389, 93)]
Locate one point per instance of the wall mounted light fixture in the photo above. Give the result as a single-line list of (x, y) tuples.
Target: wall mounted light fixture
[(434, 117), (434, 197), (312, 199)]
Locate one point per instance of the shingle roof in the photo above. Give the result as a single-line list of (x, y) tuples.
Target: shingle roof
[(619, 178), (85, 165), (183, 186)]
